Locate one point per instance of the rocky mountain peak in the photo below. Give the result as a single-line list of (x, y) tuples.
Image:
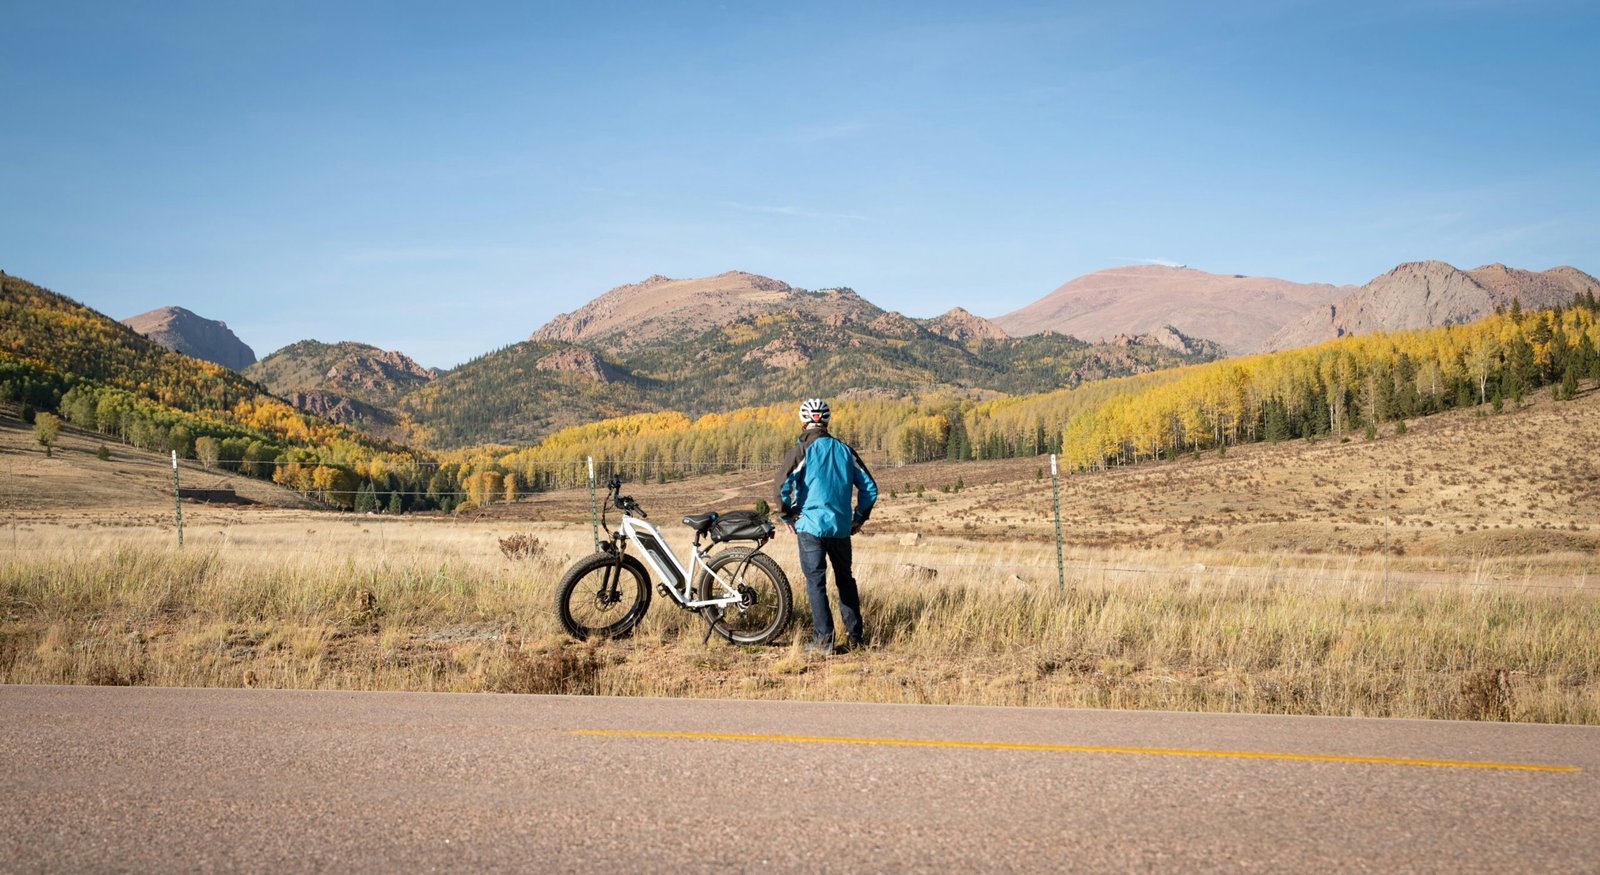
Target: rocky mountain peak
[(1423, 294), (357, 370), (755, 280), (659, 308), (1239, 312), (193, 335), (961, 326)]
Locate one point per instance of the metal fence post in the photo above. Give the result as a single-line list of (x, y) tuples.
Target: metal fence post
[(177, 498), (1061, 565), (594, 511)]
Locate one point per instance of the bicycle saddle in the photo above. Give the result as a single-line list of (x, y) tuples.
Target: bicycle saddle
[(700, 521)]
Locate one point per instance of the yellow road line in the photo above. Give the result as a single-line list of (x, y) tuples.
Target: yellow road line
[(1085, 748)]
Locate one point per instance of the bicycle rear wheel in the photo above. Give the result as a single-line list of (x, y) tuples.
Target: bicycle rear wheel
[(762, 612), (596, 598)]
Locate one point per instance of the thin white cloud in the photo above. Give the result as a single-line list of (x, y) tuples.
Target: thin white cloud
[(1159, 262), (791, 211)]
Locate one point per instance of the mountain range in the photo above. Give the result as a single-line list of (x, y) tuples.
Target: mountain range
[(715, 343), (738, 339), (697, 345)]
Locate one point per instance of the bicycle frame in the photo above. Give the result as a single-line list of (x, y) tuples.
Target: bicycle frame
[(675, 579)]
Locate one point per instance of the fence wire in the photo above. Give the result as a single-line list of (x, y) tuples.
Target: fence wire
[(1078, 571)]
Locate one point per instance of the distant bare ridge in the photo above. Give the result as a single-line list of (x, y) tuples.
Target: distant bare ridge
[(661, 308), (1423, 294), (195, 336), (1238, 312)]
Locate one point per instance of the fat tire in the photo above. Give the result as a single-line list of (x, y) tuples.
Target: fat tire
[(760, 563), (592, 568)]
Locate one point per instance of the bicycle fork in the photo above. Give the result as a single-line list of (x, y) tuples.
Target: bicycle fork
[(613, 578)]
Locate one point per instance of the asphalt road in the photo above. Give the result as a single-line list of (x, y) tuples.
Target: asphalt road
[(138, 779)]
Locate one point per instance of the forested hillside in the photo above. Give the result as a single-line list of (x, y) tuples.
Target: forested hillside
[(1352, 385), (521, 393), (100, 375)]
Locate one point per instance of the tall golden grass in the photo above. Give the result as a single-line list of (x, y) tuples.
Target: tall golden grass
[(438, 607)]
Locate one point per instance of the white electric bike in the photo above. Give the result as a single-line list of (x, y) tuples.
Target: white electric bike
[(741, 592)]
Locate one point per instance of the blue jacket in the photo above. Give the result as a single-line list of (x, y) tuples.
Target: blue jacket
[(814, 482)]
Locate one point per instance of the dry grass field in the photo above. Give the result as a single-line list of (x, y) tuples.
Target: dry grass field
[(1449, 572)]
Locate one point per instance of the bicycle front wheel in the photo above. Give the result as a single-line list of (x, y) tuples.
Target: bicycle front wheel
[(598, 597), (762, 612)]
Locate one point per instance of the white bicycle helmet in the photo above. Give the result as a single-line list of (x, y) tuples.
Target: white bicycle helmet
[(815, 410)]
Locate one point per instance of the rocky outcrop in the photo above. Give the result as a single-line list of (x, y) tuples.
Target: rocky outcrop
[(961, 326), (343, 409), (891, 324), (1177, 341), (578, 360), (193, 335), (377, 371), (781, 354)]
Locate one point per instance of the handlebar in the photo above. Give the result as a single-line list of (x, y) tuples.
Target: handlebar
[(622, 502)]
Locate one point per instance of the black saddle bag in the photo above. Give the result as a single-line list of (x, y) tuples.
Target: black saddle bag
[(741, 525)]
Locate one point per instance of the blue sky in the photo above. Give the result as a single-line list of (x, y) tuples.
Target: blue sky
[(444, 178)]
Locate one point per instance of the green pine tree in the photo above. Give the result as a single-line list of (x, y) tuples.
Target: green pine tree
[(366, 498)]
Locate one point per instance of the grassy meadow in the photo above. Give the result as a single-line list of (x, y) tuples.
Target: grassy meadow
[(1445, 573)]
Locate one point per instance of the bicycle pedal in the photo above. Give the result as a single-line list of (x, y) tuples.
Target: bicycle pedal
[(662, 588)]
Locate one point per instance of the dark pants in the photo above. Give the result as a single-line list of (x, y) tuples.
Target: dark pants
[(836, 551)]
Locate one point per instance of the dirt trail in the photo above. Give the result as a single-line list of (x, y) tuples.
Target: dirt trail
[(732, 492)]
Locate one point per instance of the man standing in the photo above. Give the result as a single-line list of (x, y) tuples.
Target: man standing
[(813, 498)]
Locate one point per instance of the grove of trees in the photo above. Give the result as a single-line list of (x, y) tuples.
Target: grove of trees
[(1342, 386)]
